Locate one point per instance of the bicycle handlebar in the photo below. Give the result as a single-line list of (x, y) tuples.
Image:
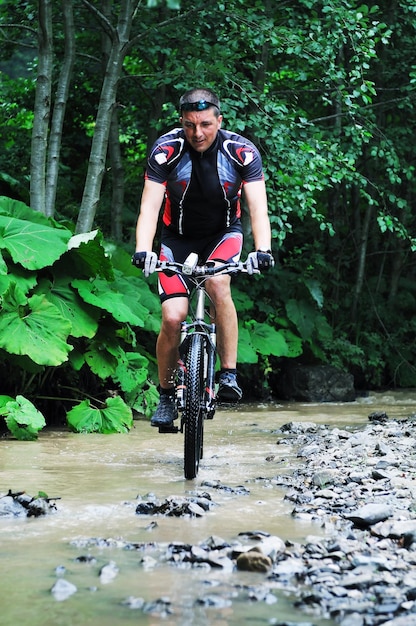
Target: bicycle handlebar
[(212, 268)]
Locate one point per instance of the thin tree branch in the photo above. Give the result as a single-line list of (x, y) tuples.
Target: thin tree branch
[(167, 22), (105, 23)]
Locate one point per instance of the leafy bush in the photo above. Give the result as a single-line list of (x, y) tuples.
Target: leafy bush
[(74, 328)]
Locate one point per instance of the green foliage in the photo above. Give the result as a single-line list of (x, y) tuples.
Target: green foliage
[(171, 4), (68, 313), (22, 418), (325, 89), (115, 417), (33, 327)]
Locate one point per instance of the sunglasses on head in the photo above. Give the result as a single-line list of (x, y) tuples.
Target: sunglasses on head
[(201, 105)]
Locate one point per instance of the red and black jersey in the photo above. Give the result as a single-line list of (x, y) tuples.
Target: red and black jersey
[(203, 190)]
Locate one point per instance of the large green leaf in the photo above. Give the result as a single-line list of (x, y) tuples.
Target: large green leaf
[(87, 256), (140, 293), (31, 244), (267, 340), (132, 371), (302, 314), (82, 317), (20, 210), (100, 359), (105, 295), (144, 400), (293, 342), (141, 300), (246, 351), (3, 266), (33, 327), (23, 279), (115, 417), (242, 301), (22, 418)]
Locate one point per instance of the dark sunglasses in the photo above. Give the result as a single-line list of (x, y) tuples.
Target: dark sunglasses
[(201, 105)]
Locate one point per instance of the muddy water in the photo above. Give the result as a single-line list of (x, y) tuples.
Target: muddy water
[(98, 479)]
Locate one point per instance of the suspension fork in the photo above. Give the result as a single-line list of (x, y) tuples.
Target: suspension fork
[(210, 347), (209, 332)]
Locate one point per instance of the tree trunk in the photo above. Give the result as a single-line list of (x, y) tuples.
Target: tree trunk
[(97, 162), (114, 151), (59, 108), (362, 256), (42, 107), (117, 174)]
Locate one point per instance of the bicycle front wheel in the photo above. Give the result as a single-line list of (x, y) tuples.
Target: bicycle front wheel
[(193, 415)]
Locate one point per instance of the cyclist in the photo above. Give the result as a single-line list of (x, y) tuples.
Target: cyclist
[(197, 172)]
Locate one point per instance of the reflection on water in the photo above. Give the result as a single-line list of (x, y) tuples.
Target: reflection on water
[(98, 479)]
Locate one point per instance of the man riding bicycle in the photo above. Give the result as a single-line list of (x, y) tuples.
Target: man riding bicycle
[(197, 172)]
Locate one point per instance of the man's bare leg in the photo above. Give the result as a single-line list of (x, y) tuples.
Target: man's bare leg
[(227, 335), (174, 311)]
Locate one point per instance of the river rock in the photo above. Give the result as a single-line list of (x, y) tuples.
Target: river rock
[(254, 561), (271, 546), (108, 572), (404, 530), (404, 620), (215, 601), (162, 607), (63, 589), (133, 603), (315, 383), (21, 504), (370, 514), (175, 506), (297, 428), (327, 477), (10, 507)]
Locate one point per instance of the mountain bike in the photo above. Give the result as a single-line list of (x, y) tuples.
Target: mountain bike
[(195, 376)]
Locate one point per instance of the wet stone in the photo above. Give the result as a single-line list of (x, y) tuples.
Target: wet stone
[(173, 506), (240, 490), (297, 428), (21, 504), (160, 607), (215, 601), (133, 603), (108, 572), (63, 589), (370, 514), (254, 561), (326, 477), (378, 417)]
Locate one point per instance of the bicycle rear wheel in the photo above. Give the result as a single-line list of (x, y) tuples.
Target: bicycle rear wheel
[(193, 414)]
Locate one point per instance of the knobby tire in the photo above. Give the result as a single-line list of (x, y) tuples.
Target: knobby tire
[(194, 419)]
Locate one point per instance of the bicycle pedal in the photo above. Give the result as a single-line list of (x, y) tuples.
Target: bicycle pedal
[(170, 428)]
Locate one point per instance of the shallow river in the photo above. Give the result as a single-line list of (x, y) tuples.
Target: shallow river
[(98, 479)]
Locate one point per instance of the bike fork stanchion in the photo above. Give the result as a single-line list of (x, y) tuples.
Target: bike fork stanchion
[(209, 396)]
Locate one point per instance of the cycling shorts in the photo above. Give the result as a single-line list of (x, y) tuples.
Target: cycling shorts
[(225, 247)]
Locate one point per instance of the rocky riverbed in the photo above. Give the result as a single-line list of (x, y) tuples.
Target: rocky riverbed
[(358, 487)]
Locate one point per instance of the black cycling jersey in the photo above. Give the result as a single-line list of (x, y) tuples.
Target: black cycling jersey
[(203, 189)]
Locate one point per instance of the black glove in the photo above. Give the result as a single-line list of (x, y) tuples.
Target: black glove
[(146, 261), (260, 261)]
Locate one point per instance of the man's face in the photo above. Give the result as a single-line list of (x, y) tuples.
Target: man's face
[(201, 128)]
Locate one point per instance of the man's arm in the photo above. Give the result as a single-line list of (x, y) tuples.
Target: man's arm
[(151, 202), (256, 198)]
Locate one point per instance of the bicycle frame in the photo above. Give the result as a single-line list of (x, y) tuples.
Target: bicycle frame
[(208, 331), (195, 381)]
